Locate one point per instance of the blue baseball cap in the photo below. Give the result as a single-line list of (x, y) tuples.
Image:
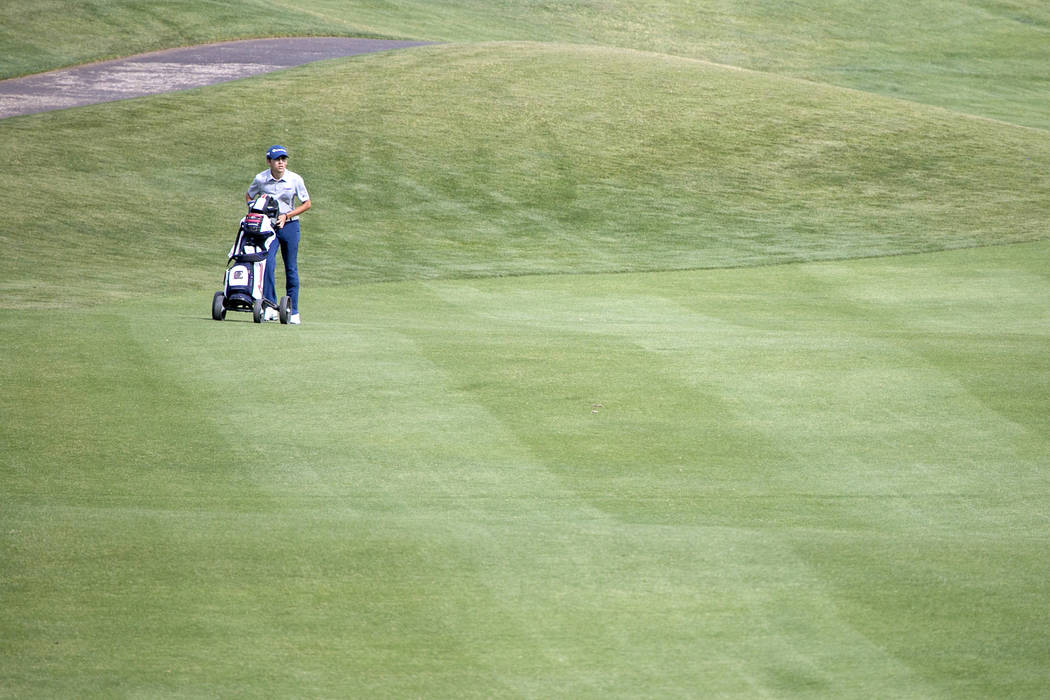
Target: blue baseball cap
[(276, 152)]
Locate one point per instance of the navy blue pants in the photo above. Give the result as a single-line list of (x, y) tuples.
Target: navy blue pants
[(288, 242)]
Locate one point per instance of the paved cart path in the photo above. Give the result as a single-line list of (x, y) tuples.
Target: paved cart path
[(174, 69)]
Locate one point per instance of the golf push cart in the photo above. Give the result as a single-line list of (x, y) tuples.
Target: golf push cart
[(246, 266)]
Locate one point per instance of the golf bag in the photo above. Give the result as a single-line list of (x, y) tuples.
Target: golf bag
[(246, 265)]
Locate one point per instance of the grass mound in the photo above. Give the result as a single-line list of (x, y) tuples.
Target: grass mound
[(500, 159)]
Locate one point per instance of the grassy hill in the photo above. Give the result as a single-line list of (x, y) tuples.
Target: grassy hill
[(499, 159), (623, 372)]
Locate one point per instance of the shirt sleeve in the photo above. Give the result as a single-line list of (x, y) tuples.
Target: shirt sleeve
[(300, 190), (254, 188)]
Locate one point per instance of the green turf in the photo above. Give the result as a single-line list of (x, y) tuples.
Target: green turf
[(808, 480), (595, 395)]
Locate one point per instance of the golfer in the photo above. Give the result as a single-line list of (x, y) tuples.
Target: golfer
[(286, 187)]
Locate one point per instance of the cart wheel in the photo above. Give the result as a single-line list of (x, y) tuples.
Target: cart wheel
[(284, 309), (218, 306), (258, 310)]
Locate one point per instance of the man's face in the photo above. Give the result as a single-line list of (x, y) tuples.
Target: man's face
[(278, 165)]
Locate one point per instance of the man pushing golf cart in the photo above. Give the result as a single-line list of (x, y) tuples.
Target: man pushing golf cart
[(283, 187), (286, 187)]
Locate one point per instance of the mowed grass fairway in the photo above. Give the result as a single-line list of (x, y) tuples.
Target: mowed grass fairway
[(622, 373), (823, 479)]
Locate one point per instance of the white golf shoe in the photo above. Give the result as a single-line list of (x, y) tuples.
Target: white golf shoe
[(271, 314), (294, 320)]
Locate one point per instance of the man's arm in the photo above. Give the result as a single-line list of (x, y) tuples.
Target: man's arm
[(303, 206), (253, 189)]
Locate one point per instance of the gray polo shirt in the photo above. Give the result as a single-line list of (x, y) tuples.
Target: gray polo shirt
[(284, 190)]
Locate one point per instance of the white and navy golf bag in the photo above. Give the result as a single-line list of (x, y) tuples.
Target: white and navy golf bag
[(246, 266)]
